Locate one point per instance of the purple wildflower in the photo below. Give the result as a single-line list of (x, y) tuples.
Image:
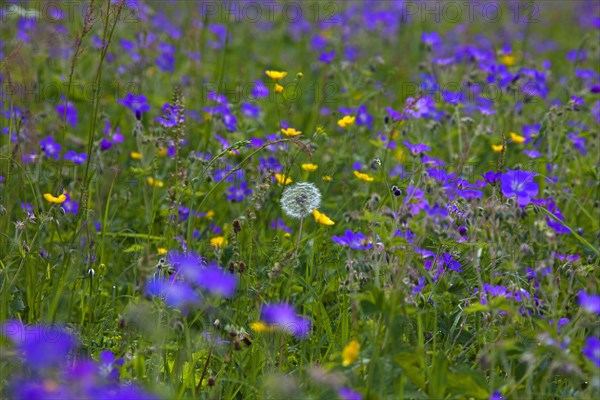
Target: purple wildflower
[(327, 57), (592, 350), (519, 184), (414, 200), (138, 104), (363, 118), (50, 147), (356, 241), (176, 294), (68, 111), (491, 177), (418, 148), (77, 158), (108, 365), (216, 281), (41, 346), (589, 302), (348, 394), (250, 110), (238, 193), (283, 316)]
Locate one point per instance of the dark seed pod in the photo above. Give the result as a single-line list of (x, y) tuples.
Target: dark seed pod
[(237, 226)]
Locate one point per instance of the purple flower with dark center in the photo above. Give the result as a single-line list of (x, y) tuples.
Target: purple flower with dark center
[(592, 350), (238, 193), (327, 57), (68, 111), (50, 147), (519, 184), (356, 241), (363, 118), (418, 148), (216, 281), (138, 104), (108, 365), (589, 302), (348, 394), (250, 110), (42, 346), (77, 158), (283, 316)]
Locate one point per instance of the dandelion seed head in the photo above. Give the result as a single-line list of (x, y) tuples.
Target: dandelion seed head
[(300, 199)]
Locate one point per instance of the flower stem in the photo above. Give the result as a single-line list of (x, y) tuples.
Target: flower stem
[(299, 236)]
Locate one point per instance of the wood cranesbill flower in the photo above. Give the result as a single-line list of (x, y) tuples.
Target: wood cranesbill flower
[(282, 316), (356, 241), (138, 104), (592, 350), (519, 184)]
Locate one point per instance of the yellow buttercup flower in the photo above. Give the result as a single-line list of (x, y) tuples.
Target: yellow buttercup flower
[(517, 138), (287, 235), (310, 167), (327, 178), (135, 155), (217, 241), (259, 326), (210, 214), (282, 179), (155, 182), (322, 218), (508, 60), (350, 353), (278, 88), (55, 200), (290, 132), (161, 250), (276, 75), (497, 148), (162, 152), (363, 176), (346, 121)]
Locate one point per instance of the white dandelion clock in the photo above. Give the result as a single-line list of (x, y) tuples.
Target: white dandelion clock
[(300, 199)]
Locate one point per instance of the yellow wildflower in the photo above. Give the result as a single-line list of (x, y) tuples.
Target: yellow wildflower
[(278, 88), (517, 138), (217, 241), (399, 155), (56, 200), (299, 75), (322, 218), (210, 214), (497, 148), (350, 353), (327, 178), (363, 177), (161, 250), (287, 235), (282, 179), (290, 132), (310, 167), (346, 121), (276, 75), (508, 60), (155, 182), (162, 151), (259, 326), (135, 155)]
